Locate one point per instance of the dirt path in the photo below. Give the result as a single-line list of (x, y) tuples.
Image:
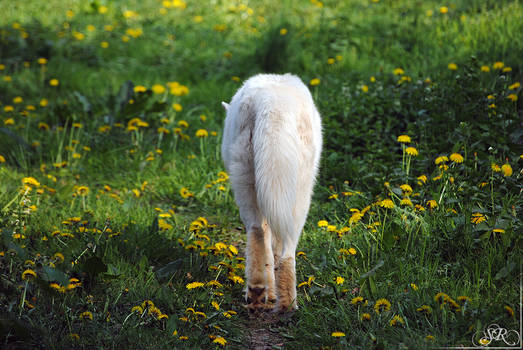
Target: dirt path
[(263, 331)]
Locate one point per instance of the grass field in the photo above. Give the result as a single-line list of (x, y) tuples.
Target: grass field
[(118, 225)]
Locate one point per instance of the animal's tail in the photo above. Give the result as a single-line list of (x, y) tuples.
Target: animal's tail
[(276, 170)]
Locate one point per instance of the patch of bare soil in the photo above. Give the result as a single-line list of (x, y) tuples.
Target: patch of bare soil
[(263, 331)]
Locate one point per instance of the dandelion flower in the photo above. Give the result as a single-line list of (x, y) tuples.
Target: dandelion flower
[(397, 320), (202, 133), (323, 223), (382, 305), (407, 202), (514, 86), (365, 316), (452, 66), (2, 159), (337, 334), (283, 31), (220, 340), (194, 285), (456, 158), (177, 107), (506, 169), (441, 159), (404, 139), (399, 71), (443, 9), (512, 97), (315, 82), (407, 190), (485, 69), (425, 309), (86, 315), (54, 82), (498, 65), (496, 168), (359, 301), (28, 274), (422, 179), (387, 203), (441, 298), (432, 204), (411, 151), (509, 310), (365, 88), (340, 280), (185, 193)]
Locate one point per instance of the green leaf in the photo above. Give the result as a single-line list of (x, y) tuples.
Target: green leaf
[(169, 269), (94, 266), (372, 271), (50, 274)]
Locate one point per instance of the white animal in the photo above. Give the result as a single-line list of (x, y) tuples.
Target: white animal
[(271, 149)]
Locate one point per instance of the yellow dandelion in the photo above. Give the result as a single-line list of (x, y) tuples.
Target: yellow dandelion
[(411, 151), (185, 193), (514, 86), (406, 202), (340, 280), (177, 107), (220, 340), (443, 9), (496, 168), (512, 97), (425, 309), (315, 82), (158, 89), (54, 82), (382, 305), (140, 88), (399, 71), (509, 310), (27, 274), (86, 315), (406, 188), (359, 301), (387, 203), (506, 169), (59, 257), (323, 223), (404, 139), (452, 66), (397, 320), (441, 159), (194, 285), (202, 133), (365, 316), (456, 158), (485, 68), (498, 65), (337, 334), (432, 204)]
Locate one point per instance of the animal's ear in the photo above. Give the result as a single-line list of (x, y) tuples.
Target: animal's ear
[(225, 105)]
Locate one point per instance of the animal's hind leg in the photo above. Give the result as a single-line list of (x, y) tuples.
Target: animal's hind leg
[(269, 263), (242, 181)]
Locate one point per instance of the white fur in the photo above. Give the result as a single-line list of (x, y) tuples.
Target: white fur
[(271, 149)]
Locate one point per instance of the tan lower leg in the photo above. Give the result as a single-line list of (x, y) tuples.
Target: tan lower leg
[(286, 284), (255, 266)]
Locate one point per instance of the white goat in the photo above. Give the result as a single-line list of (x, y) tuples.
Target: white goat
[(271, 149)]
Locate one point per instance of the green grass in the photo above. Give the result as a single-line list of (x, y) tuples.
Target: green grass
[(112, 199)]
